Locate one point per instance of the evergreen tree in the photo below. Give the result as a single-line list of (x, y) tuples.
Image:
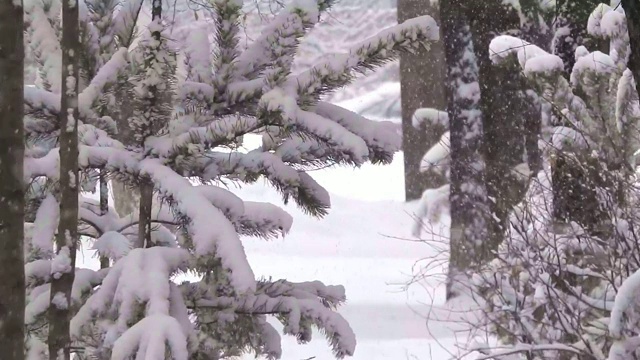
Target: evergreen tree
[(183, 123)]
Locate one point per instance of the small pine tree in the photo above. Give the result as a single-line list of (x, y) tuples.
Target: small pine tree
[(150, 121)]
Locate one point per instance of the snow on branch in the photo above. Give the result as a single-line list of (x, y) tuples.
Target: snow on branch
[(197, 55), (263, 220), (107, 75), (299, 304), (278, 42), (45, 46), (216, 133), (220, 241), (338, 70), (532, 59), (142, 277), (430, 116), (226, 18), (124, 22), (381, 138), (438, 156), (625, 298), (147, 339), (45, 227), (276, 104)]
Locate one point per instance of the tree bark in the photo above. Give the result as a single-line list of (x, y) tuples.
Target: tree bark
[(104, 209), (468, 195), (144, 224), (146, 186), (67, 237), (503, 109), (422, 77), (12, 189), (632, 11)]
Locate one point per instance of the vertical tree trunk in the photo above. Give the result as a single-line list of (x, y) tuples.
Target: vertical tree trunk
[(421, 85), (12, 283), (503, 106), (146, 187), (468, 195), (104, 208), (144, 225), (67, 237), (632, 11)]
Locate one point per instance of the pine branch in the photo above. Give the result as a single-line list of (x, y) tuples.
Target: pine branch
[(378, 50), (226, 18), (124, 22)]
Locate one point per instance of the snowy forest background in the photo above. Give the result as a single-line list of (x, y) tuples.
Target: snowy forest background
[(317, 179)]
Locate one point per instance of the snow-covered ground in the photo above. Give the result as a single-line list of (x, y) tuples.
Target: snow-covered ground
[(364, 244)]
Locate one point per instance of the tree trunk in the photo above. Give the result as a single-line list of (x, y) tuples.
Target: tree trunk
[(67, 237), (104, 208), (503, 104), (146, 187), (12, 284), (144, 224), (632, 11), (468, 195), (422, 86)]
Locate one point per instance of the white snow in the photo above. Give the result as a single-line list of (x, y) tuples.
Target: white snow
[(364, 243), (532, 58), (432, 116), (438, 155)]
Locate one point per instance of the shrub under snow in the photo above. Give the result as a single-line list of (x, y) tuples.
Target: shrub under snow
[(565, 288)]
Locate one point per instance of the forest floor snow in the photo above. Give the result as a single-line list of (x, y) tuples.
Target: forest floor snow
[(365, 244)]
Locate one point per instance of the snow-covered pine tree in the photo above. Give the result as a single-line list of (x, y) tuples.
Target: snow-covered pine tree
[(558, 289), (186, 146)]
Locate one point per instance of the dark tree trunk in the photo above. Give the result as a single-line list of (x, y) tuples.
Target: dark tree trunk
[(12, 284), (146, 187), (503, 104), (468, 194), (67, 237), (632, 11), (144, 225), (104, 208), (422, 86)]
